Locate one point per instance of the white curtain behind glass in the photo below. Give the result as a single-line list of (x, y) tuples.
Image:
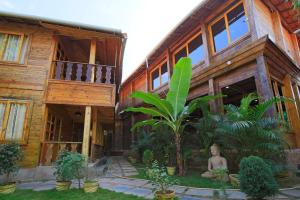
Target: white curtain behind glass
[(11, 51), (2, 37), (2, 110), (15, 123)]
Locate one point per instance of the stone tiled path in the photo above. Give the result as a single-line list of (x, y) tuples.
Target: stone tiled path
[(115, 180), (142, 188)]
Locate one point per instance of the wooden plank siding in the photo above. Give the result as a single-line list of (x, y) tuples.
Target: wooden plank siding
[(28, 81)]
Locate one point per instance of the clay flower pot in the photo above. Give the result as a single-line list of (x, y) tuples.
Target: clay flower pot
[(90, 186), (170, 195), (63, 185), (8, 188), (171, 171)]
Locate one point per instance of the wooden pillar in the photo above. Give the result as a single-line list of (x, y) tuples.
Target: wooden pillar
[(211, 91), (206, 45), (263, 82), (297, 97), (278, 31), (88, 109), (291, 108), (296, 46), (249, 5)]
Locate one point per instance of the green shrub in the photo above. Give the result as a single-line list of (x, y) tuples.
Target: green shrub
[(10, 154), (256, 178), (148, 157), (69, 166)]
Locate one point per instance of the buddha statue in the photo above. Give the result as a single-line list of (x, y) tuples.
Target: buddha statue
[(215, 162)]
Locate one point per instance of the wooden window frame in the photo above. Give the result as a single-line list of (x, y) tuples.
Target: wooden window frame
[(20, 47), (224, 16), (55, 123), (8, 103), (159, 66), (186, 46)]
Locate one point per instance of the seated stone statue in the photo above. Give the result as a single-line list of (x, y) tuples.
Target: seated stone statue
[(215, 162)]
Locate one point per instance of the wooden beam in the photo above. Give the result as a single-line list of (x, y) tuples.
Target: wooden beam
[(291, 108), (296, 46), (88, 109), (263, 82)]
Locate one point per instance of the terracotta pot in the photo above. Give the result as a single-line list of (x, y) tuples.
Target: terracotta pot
[(171, 170), (170, 195), (7, 189), (90, 186), (63, 185), (234, 180)]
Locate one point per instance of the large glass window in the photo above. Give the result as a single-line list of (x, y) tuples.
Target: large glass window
[(193, 49), (219, 35), (231, 27), (160, 76), (196, 50), (13, 118), (13, 47)]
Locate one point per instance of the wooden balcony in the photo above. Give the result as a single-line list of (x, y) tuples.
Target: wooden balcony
[(74, 83)]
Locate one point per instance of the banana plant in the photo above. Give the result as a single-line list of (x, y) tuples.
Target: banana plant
[(172, 110)]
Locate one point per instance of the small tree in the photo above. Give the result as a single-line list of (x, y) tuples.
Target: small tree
[(10, 154), (256, 178), (171, 111), (148, 157)]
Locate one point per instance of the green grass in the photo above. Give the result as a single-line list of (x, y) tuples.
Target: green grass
[(73, 194), (191, 179)]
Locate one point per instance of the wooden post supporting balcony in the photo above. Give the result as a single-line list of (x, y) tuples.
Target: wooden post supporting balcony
[(88, 109)]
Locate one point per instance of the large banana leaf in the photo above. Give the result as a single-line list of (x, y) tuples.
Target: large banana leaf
[(180, 85), (148, 111), (153, 99)]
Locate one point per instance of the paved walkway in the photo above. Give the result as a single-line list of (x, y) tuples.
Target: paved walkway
[(114, 180)]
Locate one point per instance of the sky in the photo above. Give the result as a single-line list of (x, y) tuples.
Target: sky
[(146, 22)]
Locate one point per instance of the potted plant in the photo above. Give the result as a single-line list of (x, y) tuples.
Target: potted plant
[(90, 185), (161, 182), (10, 154), (171, 159), (68, 166)]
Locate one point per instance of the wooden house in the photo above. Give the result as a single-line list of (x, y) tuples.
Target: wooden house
[(58, 86), (236, 47)]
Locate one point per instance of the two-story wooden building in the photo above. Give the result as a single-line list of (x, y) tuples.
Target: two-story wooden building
[(236, 47), (59, 86)]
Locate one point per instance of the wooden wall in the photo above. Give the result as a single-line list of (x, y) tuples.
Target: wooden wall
[(28, 81)]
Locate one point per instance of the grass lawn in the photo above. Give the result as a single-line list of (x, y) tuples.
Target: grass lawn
[(73, 194), (192, 179)]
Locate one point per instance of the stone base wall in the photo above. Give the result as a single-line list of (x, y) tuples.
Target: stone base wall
[(293, 157)]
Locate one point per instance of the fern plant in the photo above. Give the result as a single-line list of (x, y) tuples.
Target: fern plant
[(250, 130)]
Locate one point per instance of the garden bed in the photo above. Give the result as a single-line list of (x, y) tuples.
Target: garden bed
[(73, 194)]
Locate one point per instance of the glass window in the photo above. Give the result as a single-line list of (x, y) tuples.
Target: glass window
[(180, 54), (12, 119), (219, 35), (196, 50), (237, 22), (13, 47), (155, 79), (164, 74)]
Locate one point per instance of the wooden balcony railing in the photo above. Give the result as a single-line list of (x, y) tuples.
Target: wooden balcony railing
[(51, 149), (75, 71)]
